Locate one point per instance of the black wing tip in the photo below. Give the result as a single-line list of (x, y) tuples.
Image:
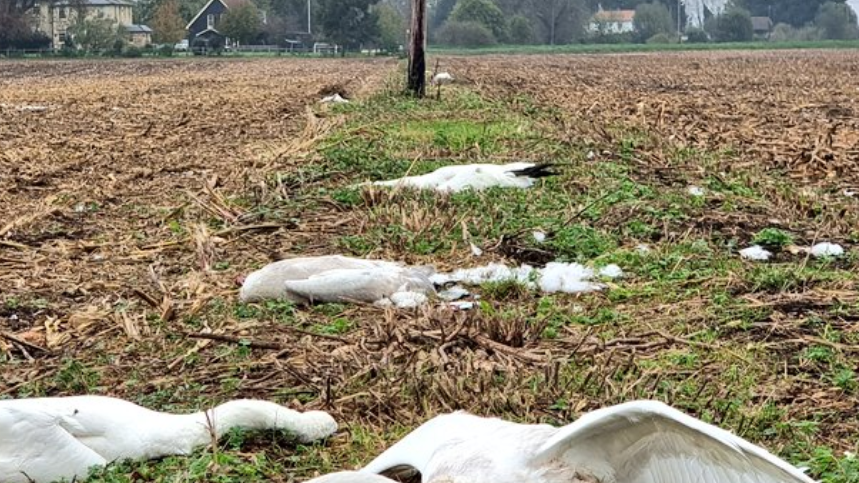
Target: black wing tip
[(539, 170)]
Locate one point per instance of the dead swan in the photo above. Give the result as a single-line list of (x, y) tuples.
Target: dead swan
[(48, 439), (457, 178), (335, 278), (635, 442)]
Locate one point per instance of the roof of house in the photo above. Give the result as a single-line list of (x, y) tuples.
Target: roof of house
[(761, 23), (620, 16), (235, 3), (227, 3), (138, 29), (96, 3)]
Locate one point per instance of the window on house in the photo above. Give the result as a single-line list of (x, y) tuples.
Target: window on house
[(62, 37), (62, 12), (210, 21)]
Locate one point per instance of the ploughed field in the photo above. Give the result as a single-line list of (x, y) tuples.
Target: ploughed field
[(134, 193)]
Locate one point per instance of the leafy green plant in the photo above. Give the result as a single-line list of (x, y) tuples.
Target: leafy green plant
[(773, 237)]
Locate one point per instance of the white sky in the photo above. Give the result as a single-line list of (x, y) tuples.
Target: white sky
[(854, 4)]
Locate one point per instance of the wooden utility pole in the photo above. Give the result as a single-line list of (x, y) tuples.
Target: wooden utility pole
[(417, 80)]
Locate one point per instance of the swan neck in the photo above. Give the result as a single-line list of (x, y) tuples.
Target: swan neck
[(242, 414)]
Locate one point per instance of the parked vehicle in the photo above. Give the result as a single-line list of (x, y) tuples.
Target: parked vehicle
[(182, 46)]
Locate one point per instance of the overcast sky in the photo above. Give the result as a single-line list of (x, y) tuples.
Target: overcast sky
[(854, 4)]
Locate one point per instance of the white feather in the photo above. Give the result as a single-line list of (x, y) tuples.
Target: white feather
[(755, 252), (554, 277), (611, 271), (567, 278), (827, 249), (48, 439), (695, 191), (408, 300)]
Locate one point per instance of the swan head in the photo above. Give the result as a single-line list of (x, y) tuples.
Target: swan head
[(249, 283), (255, 414), (316, 425)]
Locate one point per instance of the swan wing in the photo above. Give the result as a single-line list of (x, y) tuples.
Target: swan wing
[(517, 166), (36, 444), (416, 449), (482, 176), (267, 282), (345, 285), (650, 442)]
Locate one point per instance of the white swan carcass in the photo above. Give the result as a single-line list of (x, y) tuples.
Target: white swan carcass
[(47, 439), (442, 78), (475, 176), (335, 278), (635, 442), (335, 99)]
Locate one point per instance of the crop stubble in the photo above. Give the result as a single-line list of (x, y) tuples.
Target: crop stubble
[(89, 186)]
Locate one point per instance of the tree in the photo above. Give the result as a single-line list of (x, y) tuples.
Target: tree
[(349, 23), (273, 32), (16, 32), (167, 25), (559, 21), (96, 34), (793, 12), (293, 13), (483, 12), (241, 24), (440, 13), (392, 28), (735, 25), (465, 34), (786, 33), (836, 21), (521, 30), (651, 19)]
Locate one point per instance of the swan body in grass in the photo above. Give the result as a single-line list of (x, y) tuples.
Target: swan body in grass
[(475, 176), (442, 78), (335, 278), (334, 99), (635, 442), (47, 439)]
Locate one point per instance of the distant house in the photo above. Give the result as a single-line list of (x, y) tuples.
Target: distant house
[(762, 27), (139, 35), (203, 28), (55, 18), (612, 21)]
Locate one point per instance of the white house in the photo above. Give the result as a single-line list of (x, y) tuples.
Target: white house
[(612, 21)]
